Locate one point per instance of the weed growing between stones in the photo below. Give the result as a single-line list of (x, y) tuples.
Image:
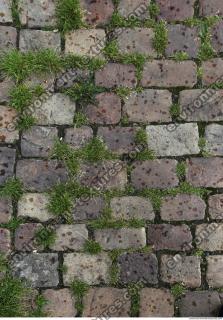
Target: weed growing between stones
[(74, 61), (199, 253), (175, 111), (13, 188), (202, 143), (79, 289), (103, 223), (154, 10), (40, 302), (133, 291), (25, 122), (118, 21), (114, 269), (13, 224), (180, 56), (80, 119), (92, 247), (181, 170), (177, 290), (160, 37), (123, 92), (15, 14), (141, 139), (45, 236)]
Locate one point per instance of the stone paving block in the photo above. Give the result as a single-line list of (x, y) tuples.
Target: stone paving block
[(156, 303), (206, 173), (38, 141), (106, 302), (211, 7), (8, 132), (187, 271), (148, 106), (5, 210), (214, 139), (215, 271), (169, 237), (5, 241), (187, 207), (102, 113), (5, 86), (46, 80), (37, 14), (78, 137), (176, 10), (217, 37), (92, 269), (132, 208), (88, 209), (134, 9), (40, 175), (169, 73), (5, 11), (97, 12), (70, 237), (60, 303), (181, 141), (157, 174), (182, 38), (38, 269), (136, 267), (7, 162), (25, 237), (68, 78), (116, 75), (209, 237), (34, 40), (211, 71), (215, 204), (58, 109), (8, 36)]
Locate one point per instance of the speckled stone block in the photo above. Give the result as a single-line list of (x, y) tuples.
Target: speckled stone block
[(211, 71), (5, 11), (215, 204), (78, 137), (214, 139), (88, 208), (211, 7), (176, 10), (134, 9), (5, 241), (25, 237), (217, 37), (215, 271), (97, 12), (8, 120), (5, 86), (34, 40), (6, 210), (8, 36), (209, 237), (7, 162)]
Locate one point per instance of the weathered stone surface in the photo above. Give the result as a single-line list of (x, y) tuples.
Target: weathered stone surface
[(25, 237), (106, 302), (5, 86), (46, 80), (29, 301), (5, 11), (102, 113), (136, 267), (70, 237), (209, 237), (215, 204), (168, 73), (8, 132), (211, 71), (7, 162), (181, 141), (160, 174), (205, 172), (58, 109), (217, 37), (40, 175), (182, 38), (176, 10), (132, 208), (124, 238), (214, 139), (134, 9), (92, 269), (215, 271), (97, 12), (116, 75), (78, 137), (8, 37), (60, 303), (5, 241), (182, 207), (156, 303), (39, 269), (88, 208), (211, 7), (33, 40), (148, 106), (166, 236), (71, 76), (5, 210)]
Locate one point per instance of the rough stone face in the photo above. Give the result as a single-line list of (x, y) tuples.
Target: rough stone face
[(116, 75), (209, 237), (5, 86), (148, 106), (92, 269), (60, 303), (176, 10), (217, 37), (68, 78), (38, 141), (160, 174), (25, 237), (106, 302), (5, 241), (33, 40), (102, 113), (8, 37), (215, 204), (214, 139), (46, 80), (168, 73), (7, 162), (88, 209), (40, 270), (169, 237), (181, 141), (182, 207), (134, 8), (97, 12), (214, 271), (5, 210), (136, 267), (40, 175), (132, 208), (156, 303), (211, 8), (78, 137), (8, 132), (211, 71), (5, 11)]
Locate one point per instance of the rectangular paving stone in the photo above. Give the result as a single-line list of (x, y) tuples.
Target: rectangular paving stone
[(169, 73), (8, 120), (88, 208), (215, 271), (6, 210), (78, 137), (7, 162), (124, 238), (215, 204), (175, 10), (25, 237), (134, 8), (211, 8), (8, 37), (97, 12), (5, 11), (214, 139), (211, 71), (217, 36), (5, 86), (5, 241), (67, 78), (209, 237), (157, 174)]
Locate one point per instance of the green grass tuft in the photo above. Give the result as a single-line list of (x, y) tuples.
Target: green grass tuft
[(20, 97), (161, 37), (177, 290), (123, 92), (13, 188), (79, 289), (141, 137), (95, 150), (45, 236), (74, 61), (80, 119), (104, 222), (40, 302), (92, 247), (13, 224), (15, 14), (181, 170), (154, 10), (175, 110), (202, 143), (25, 122), (180, 56)]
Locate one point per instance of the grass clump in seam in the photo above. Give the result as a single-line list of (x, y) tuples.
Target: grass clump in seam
[(154, 10), (95, 151), (160, 37), (177, 290), (80, 119), (13, 189), (181, 170), (89, 63), (79, 289), (180, 56), (13, 224), (15, 13), (92, 247), (175, 111), (45, 236)]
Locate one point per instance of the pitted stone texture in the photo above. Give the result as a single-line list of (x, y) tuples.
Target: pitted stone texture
[(157, 174), (200, 304), (5, 11), (5, 210), (38, 269), (88, 209), (45, 80), (8, 37), (40, 175), (156, 303), (186, 270), (214, 139), (203, 172), (168, 73), (137, 40), (102, 113), (132, 208), (34, 206), (7, 162), (182, 207), (68, 78), (211, 7), (215, 204), (169, 237), (5, 241), (78, 137), (34, 40), (116, 75), (124, 238), (92, 269), (217, 37), (210, 236), (8, 132), (211, 71), (58, 109), (136, 267), (25, 237), (176, 10), (181, 141), (70, 237), (85, 42), (97, 12), (37, 13), (134, 9), (182, 38), (5, 86), (60, 303), (215, 271)]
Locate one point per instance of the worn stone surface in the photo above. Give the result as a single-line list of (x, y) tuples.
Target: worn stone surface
[(211, 8), (25, 237), (6, 85), (66, 79), (215, 204), (8, 131), (5, 241), (5, 11), (5, 210), (7, 162), (78, 137), (212, 71), (8, 37), (176, 10), (33, 40), (214, 271), (209, 237), (134, 9), (97, 12), (214, 139), (46, 81), (217, 37), (88, 208)]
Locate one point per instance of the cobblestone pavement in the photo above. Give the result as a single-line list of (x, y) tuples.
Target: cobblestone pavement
[(111, 145)]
